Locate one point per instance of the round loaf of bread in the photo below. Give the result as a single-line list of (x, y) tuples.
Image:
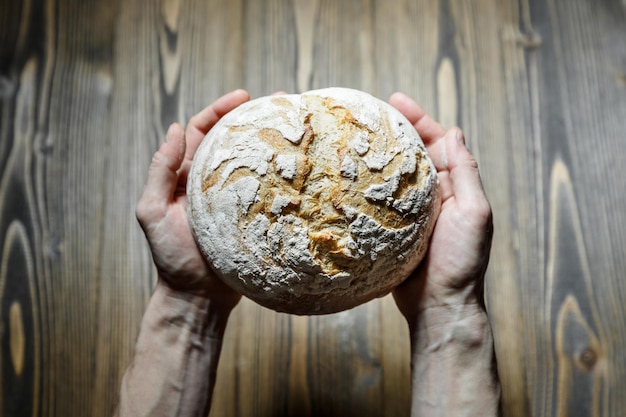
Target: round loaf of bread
[(313, 203)]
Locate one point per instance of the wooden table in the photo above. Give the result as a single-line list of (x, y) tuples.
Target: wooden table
[(88, 88)]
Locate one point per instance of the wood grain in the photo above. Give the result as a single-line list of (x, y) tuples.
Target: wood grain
[(89, 87)]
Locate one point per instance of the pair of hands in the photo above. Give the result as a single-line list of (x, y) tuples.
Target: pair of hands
[(451, 275)]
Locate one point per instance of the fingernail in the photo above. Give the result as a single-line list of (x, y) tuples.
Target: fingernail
[(399, 95), (241, 91), (170, 132)]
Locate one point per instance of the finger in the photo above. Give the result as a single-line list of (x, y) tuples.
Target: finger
[(437, 153), (427, 127), (162, 177), (200, 124)]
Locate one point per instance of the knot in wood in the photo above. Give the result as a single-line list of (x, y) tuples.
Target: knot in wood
[(587, 358)]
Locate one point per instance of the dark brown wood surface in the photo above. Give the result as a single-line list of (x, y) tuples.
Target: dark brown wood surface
[(88, 88)]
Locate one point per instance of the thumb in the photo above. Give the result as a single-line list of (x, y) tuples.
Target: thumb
[(467, 186), (162, 176)]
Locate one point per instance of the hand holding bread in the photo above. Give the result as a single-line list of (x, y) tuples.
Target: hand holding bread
[(453, 271), (459, 247), (312, 204), (162, 209)]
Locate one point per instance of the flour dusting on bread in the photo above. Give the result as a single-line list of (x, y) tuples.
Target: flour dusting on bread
[(313, 203)]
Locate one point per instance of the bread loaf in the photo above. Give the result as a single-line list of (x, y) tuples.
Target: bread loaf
[(313, 203)]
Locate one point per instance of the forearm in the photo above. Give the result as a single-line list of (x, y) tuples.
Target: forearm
[(175, 363), (453, 364)]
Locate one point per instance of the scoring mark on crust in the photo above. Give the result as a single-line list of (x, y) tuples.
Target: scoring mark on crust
[(317, 178)]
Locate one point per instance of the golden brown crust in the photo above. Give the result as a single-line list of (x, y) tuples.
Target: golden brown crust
[(313, 203)]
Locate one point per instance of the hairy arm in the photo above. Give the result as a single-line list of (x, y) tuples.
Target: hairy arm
[(175, 363), (453, 364), (176, 356), (452, 354)]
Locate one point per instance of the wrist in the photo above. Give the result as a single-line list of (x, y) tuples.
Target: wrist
[(195, 313), (176, 356), (441, 303), (464, 327), (453, 368)]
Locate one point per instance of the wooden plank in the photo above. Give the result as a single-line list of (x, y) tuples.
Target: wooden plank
[(19, 362), (591, 114), (135, 131), (553, 266), (51, 198)]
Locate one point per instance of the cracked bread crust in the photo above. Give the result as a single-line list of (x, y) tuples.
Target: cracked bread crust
[(313, 203)]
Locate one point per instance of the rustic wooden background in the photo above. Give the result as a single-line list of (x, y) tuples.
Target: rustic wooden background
[(88, 87)]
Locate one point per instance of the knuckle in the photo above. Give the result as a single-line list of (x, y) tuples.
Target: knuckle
[(484, 215), (472, 162), (478, 212), (149, 210), (166, 158), (142, 211), (158, 159)]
